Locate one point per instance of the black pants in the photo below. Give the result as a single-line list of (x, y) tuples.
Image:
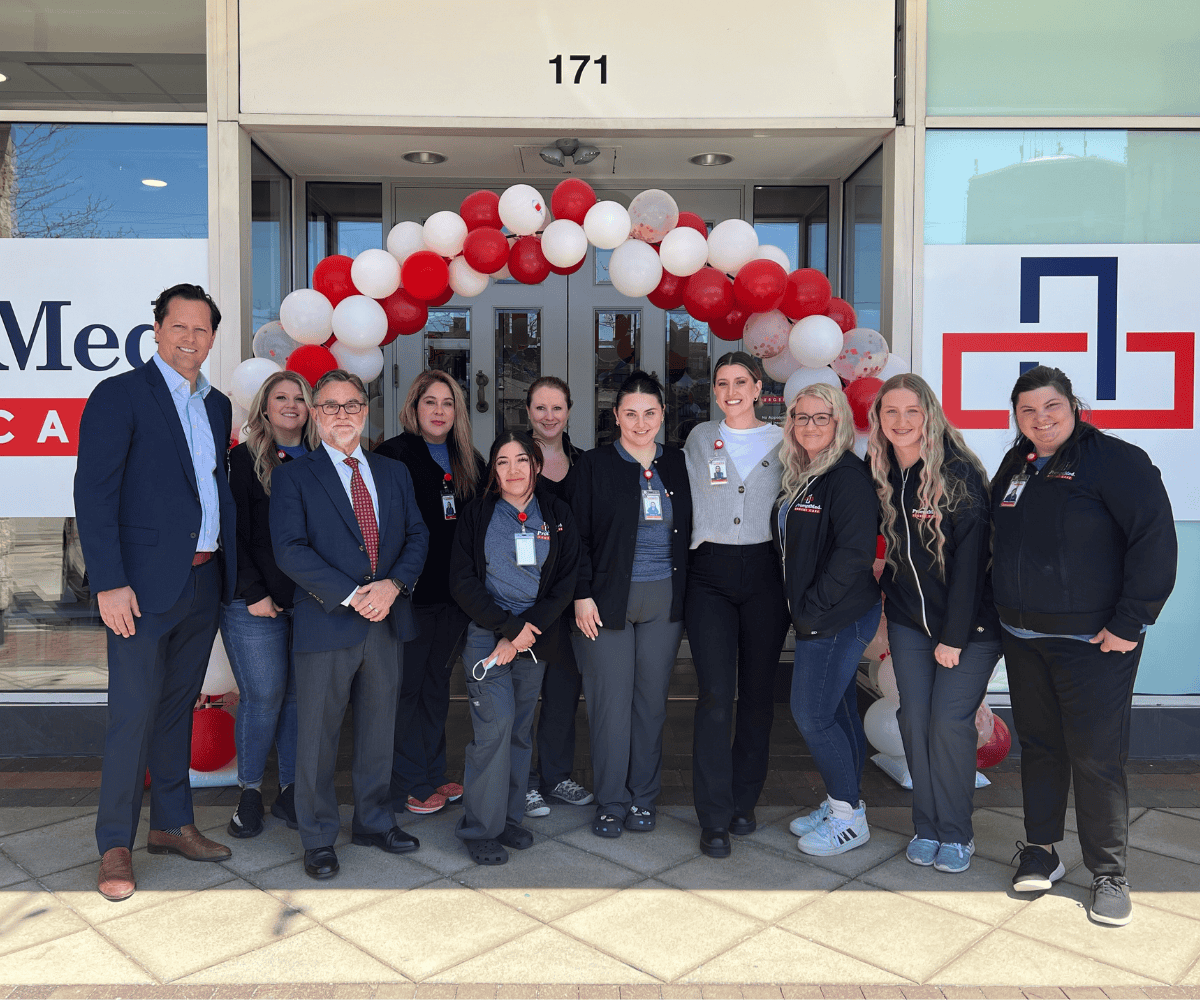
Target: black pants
[(561, 687), (1071, 705), (736, 620)]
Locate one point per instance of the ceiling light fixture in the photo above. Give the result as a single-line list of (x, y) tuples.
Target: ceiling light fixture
[(152, 182), (425, 157), (3, 77), (557, 154), (710, 159)]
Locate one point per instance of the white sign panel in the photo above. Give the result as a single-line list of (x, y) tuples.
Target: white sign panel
[(72, 313), (544, 59), (1120, 320)]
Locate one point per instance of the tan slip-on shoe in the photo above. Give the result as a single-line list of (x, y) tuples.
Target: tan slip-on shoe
[(192, 845), (115, 880)]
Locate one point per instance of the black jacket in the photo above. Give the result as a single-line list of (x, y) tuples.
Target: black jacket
[(828, 548), (427, 477), (1088, 545), (468, 571), (562, 488), (959, 608), (606, 500), (258, 575)]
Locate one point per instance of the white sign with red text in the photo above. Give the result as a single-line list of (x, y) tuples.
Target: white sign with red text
[(72, 313), (1120, 320)]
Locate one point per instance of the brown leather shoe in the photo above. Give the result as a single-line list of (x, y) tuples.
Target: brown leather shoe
[(191, 845), (116, 881)]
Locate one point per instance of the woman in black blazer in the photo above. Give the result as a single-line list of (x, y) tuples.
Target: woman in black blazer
[(633, 508), (256, 626)]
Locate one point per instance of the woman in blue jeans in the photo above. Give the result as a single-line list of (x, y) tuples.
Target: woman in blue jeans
[(825, 525), (942, 622), (256, 626)]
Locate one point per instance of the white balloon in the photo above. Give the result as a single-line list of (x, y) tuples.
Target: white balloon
[(521, 209), (861, 440), (885, 680), (652, 214), (894, 366), (564, 243), (465, 280), (307, 316), (731, 244), (248, 377), (816, 341), (272, 342), (444, 233), (367, 364), (635, 269), (781, 367), (882, 729), (375, 273), (859, 345), (218, 679), (683, 251), (766, 334), (359, 322), (808, 376), (769, 252), (607, 225), (405, 239)]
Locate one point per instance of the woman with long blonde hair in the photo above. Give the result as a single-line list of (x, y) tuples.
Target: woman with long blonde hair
[(256, 626), (447, 472), (824, 525), (942, 624)]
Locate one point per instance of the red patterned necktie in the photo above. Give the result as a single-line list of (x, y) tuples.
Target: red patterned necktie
[(364, 511)]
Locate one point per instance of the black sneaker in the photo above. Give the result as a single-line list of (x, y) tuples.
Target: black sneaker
[(1039, 869), (1110, 900), (284, 806), (248, 820)]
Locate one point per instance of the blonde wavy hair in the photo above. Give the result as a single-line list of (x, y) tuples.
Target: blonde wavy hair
[(798, 468), (260, 436), (938, 489), (464, 460)]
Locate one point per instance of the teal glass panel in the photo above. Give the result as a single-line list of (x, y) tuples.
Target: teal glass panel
[(1063, 57), (1169, 663)]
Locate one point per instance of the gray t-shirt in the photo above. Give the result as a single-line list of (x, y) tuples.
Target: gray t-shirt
[(514, 587), (652, 551)]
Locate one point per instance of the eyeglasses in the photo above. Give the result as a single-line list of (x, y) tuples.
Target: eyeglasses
[(351, 408), (818, 419)]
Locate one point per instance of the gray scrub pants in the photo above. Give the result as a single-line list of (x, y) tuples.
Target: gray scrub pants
[(626, 674)]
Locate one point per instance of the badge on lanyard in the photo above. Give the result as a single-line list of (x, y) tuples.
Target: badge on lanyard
[(1015, 489), (525, 547), (651, 500), (717, 474), (448, 509)]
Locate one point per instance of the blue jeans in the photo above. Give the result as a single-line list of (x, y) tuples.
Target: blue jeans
[(260, 653), (825, 704)]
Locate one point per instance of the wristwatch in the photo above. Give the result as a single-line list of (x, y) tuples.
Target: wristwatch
[(402, 587)]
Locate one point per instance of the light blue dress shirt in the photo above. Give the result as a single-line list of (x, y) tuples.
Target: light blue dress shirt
[(345, 474), (197, 430)]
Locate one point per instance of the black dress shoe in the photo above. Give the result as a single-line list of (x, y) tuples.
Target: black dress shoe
[(321, 862), (743, 824), (395, 841), (715, 842)]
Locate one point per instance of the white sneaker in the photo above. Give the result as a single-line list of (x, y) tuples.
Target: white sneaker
[(810, 821), (535, 805), (837, 836)]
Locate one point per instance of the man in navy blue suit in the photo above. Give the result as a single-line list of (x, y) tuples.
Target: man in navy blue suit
[(345, 526), (156, 522)]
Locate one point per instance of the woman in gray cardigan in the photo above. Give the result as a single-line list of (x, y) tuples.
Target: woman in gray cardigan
[(734, 608)]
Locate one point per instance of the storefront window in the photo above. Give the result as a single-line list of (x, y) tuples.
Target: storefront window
[(862, 241), (345, 218), (689, 377), (270, 236)]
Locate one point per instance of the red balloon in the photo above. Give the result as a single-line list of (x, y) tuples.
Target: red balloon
[(527, 263), (405, 315), (424, 275), (669, 293), (731, 326), (995, 749), (842, 313), (212, 738), (759, 286), (482, 208), (569, 270), (692, 221), (807, 294), (861, 394), (331, 277), (311, 361), (708, 295), (485, 249), (572, 199), (442, 299)]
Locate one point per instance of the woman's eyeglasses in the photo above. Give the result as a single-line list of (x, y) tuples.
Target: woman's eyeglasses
[(351, 408), (818, 419)]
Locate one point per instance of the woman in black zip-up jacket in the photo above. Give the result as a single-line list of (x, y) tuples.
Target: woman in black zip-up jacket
[(1084, 559), (512, 570), (942, 624), (633, 506), (825, 525)]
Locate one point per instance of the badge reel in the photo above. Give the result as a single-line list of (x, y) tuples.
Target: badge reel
[(449, 511), (651, 500), (717, 474), (526, 549)]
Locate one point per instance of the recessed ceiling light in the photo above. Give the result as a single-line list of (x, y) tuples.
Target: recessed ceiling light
[(3, 77), (425, 157), (151, 182), (710, 159)]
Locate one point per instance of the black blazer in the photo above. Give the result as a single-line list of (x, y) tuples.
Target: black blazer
[(468, 571), (606, 500), (258, 575)]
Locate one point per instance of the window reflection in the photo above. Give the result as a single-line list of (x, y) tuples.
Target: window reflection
[(862, 239), (518, 364), (689, 383), (448, 345), (270, 236), (618, 354)]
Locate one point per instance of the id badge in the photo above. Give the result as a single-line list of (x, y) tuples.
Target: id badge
[(1014, 491), (526, 550), (717, 476), (652, 505), (448, 511)]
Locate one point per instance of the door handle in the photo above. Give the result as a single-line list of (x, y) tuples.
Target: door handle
[(481, 403)]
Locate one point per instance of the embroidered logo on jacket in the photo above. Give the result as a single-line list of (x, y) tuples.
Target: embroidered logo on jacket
[(808, 505), (1068, 474), (924, 513), (543, 533)]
